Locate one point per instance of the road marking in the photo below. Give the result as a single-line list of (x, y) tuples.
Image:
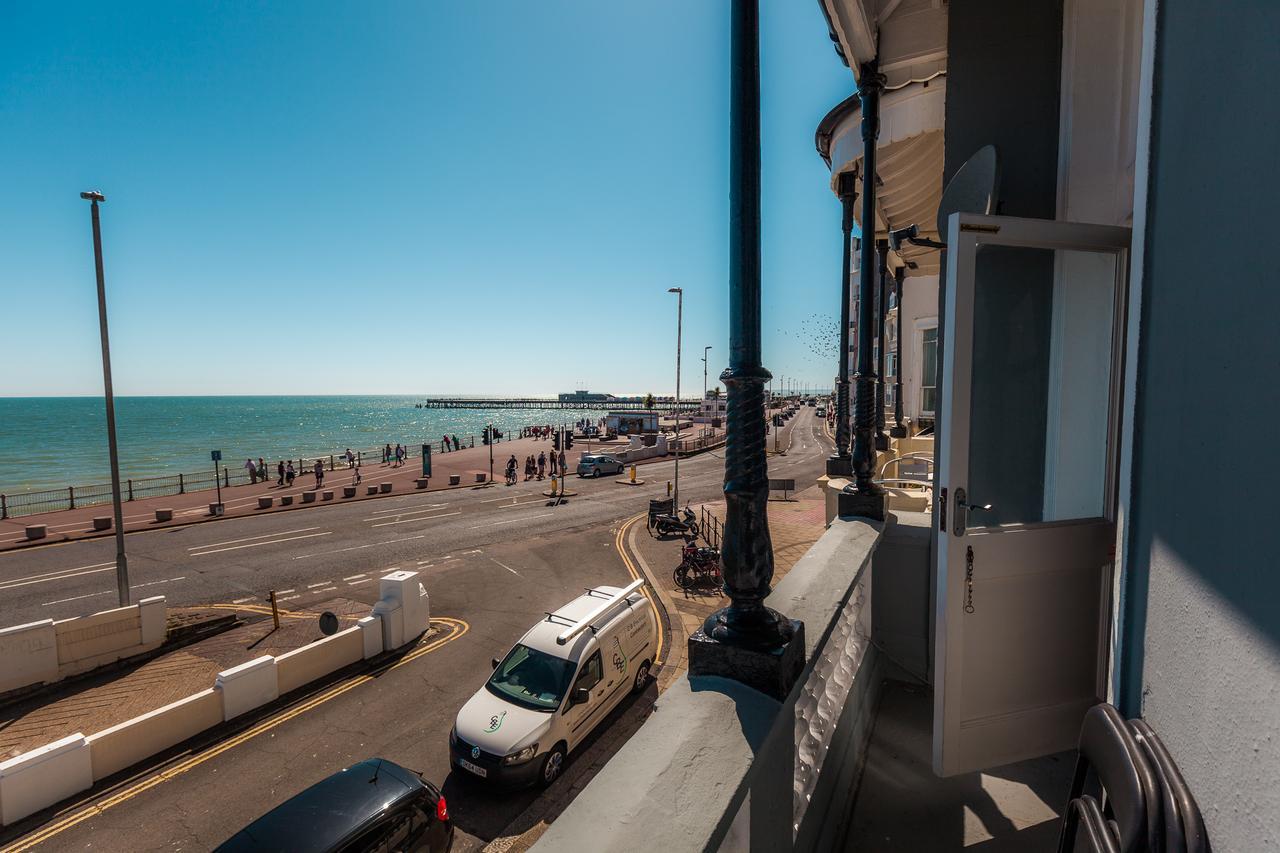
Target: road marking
[(241, 600), (250, 538), (314, 585), (511, 520), (508, 568), (459, 629), (397, 509), (635, 573), (359, 547), (17, 582), (353, 577), (523, 503), (284, 591), (60, 571), (109, 591), (424, 518), (288, 597), (503, 498), (257, 544), (356, 583), (330, 589)]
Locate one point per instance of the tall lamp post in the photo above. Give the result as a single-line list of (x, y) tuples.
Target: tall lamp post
[(679, 292), (122, 563), (705, 350), (840, 464)]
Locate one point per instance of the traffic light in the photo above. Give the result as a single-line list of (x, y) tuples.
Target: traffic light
[(568, 440), (486, 435), (555, 439)]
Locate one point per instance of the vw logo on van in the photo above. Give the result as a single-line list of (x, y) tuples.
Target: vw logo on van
[(475, 752)]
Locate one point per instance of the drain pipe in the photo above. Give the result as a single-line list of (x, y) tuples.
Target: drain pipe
[(898, 430), (882, 314)]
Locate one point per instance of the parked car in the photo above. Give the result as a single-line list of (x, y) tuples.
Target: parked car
[(595, 464), (555, 686), (373, 805)]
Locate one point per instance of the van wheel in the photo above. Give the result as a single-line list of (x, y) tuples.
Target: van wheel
[(552, 765), (642, 678)]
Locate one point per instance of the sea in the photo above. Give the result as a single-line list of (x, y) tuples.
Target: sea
[(54, 442)]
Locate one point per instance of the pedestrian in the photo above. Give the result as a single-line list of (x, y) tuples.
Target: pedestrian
[(319, 473), (444, 443), (511, 470), (456, 446), (263, 474), (351, 458), (542, 464), (289, 474), (553, 463), (280, 472), (253, 472), (386, 455), (564, 472), (355, 480)]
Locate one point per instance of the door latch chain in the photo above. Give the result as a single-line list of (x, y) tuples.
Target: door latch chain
[(968, 579)]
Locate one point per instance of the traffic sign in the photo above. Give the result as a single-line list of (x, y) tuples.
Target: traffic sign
[(215, 455)]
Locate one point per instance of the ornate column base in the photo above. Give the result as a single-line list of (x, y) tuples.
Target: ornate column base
[(839, 466), (882, 442), (897, 432), (864, 504), (772, 668)]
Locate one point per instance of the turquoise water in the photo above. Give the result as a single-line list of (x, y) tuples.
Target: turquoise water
[(51, 442)]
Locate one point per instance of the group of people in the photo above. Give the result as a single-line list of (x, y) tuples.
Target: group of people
[(536, 467), (449, 443), (285, 472), (394, 458)]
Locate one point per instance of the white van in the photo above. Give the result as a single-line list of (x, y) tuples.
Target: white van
[(555, 686)]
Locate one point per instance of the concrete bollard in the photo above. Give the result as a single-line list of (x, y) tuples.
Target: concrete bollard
[(102, 522), (37, 531), (265, 502), (286, 500), (422, 482), (371, 490), (164, 515), (455, 479), (481, 477), (348, 491), (308, 497), (326, 495), (385, 488)]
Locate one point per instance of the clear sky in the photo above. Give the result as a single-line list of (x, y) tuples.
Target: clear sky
[(419, 197)]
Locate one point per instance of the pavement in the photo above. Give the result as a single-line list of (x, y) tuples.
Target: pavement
[(493, 559), (242, 500)]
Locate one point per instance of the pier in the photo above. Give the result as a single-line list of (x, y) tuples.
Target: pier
[(613, 404)]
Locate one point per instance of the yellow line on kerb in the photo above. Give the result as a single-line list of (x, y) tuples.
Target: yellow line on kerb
[(459, 628), (635, 574)]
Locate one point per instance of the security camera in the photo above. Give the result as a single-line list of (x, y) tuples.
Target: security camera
[(896, 237)]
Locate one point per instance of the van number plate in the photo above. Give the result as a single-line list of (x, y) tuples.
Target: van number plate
[(467, 765)]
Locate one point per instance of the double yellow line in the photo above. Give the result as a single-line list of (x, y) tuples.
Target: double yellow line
[(457, 628), (636, 575)]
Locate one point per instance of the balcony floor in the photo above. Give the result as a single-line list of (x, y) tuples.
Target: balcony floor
[(902, 805)]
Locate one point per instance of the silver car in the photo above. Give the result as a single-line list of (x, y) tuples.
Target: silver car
[(593, 465)]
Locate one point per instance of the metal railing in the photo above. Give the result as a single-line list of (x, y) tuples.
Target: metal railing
[(711, 527)]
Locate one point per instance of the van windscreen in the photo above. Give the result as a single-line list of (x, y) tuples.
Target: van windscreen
[(531, 678)]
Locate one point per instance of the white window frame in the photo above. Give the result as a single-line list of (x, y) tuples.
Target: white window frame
[(917, 348)]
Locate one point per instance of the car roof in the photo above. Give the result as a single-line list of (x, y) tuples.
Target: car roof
[(330, 811), (543, 635)]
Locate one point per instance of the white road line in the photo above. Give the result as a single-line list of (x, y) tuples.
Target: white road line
[(508, 568), (314, 585), (75, 598), (424, 518), (330, 589), (110, 564), (474, 551), (153, 583), (289, 597), (353, 577), (256, 544), (357, 583), (523, 503), (359, 547), (511, 520), (250, 538), (15, 584), (395, 509), (401, 514), (241, 600), (503, 498)]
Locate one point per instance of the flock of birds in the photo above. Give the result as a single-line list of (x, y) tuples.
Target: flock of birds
[(819, 337)]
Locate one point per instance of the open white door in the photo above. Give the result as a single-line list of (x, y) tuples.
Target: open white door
[(1031, 376)]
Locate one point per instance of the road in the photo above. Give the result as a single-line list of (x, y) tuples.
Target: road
[(494, 560)]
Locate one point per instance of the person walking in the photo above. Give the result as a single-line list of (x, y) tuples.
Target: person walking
[(444, 443), (289, 474), (253, 471), (542, 464), (263, 473), (280, 473), (386, 455), (456, 445), (351, 458), (319, 474), (553, 463), (564, 472)]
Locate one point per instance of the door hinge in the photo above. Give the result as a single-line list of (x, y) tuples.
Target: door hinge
[(968, 579), (981, 229), (942, 511)]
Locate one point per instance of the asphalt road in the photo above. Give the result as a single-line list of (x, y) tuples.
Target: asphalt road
[(493, 561)]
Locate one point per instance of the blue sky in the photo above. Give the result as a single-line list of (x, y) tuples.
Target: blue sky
[(421, 197)]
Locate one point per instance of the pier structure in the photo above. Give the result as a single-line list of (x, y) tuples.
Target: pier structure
[(614, 404)]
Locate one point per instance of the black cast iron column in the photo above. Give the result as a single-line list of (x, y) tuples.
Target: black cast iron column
[(747, 549), (867, 496), (882, 314), (840, 465), (898, 430)]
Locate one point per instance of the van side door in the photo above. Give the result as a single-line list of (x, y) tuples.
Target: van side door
[(579, 717)]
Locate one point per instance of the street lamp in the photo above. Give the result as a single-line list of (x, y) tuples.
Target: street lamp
[(705, 350), (122, 564), (679, 292)]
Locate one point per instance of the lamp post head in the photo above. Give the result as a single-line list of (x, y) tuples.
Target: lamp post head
[(675, 290), (93, 195)]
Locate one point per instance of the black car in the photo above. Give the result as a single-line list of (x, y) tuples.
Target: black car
[(373, 805)]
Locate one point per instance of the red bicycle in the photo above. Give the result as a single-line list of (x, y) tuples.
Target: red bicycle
[(699, 567)]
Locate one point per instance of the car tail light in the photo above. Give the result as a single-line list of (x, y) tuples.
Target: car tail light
[(442, 809)]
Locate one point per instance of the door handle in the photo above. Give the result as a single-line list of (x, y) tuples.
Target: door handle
[(963, 508)]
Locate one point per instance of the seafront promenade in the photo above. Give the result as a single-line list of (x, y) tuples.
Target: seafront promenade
[(243, 500)]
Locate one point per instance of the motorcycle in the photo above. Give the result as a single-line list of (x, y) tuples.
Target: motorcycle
[(666, 524)]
